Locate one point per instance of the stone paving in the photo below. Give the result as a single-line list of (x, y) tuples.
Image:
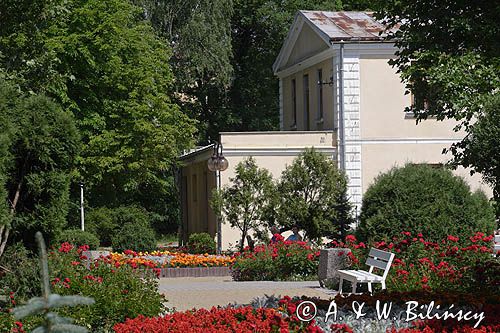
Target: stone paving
[(205, 292)]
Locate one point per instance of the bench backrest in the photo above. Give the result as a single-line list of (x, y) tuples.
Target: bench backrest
[(380, 259), (496, 245), (497, 239)]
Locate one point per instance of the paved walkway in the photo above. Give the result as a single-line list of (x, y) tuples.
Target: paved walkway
[(205, 292)]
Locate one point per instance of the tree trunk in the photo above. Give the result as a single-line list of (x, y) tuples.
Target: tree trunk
[(5, 229)]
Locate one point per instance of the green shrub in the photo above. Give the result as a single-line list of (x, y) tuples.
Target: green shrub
[(422, 199), (200, 243), (312, 195), (78, 237), (106, 222), (19, 273), (119, 292), (137, 237)]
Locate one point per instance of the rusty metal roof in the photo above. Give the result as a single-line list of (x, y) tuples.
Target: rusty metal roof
[(346, 26)]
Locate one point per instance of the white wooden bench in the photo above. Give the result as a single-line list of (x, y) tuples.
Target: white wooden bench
[(496, 245), (376, 259)]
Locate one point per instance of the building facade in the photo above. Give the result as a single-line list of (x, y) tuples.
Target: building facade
[(339, 94)]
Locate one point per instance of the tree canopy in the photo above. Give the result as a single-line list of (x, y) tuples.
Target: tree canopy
[(41, 148), (102, 61)]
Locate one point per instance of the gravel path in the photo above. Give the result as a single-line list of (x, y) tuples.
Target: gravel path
[(205, 292)]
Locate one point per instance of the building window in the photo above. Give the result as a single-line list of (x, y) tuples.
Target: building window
[(294, 104), (194, 186), (306, 101), (320, 95), (415, 102)]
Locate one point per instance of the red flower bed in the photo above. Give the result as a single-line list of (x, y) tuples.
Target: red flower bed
[(451, 264), (238, 320), (279, 260)]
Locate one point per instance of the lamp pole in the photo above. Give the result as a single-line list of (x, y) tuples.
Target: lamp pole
[(82, 212), (218, 163)]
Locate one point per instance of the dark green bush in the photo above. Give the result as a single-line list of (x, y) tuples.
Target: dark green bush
[(19, 272), (134, 236), (201, 243), (78, 237), (106, 222), (422, 199)]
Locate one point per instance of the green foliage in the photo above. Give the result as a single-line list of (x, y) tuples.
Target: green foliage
[(43, 144), (119, 292), (20, 272), (483, 142), (200, 35), (422, 199), (201, 243), (449, 58), (102, 61), (138, 237), (312, 195), (78, 237), (44, 305), (248, 202), (106, 222), (102, 222)]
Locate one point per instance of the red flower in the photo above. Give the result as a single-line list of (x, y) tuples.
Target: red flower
[(65, 247), (350, 238), (452, 238)]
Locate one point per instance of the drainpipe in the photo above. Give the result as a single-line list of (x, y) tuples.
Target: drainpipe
[(341, 135)]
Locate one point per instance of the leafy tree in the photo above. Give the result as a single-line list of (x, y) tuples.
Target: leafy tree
[(43, 146), (312, 195), (200, 35), (102, 61), (247, 202), (422, 199), (483, 147), (449, 59)]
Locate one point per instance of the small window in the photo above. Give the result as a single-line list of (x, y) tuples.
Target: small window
[(294, 104), (320, 95), (306, 101), (194, 186)]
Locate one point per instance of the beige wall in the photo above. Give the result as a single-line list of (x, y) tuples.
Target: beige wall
[(308, 43), (379, 158), (383, 101), (326, 67)]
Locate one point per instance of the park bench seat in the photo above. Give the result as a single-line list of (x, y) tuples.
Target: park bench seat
[(376, 259)]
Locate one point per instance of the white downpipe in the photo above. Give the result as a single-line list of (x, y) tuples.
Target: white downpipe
[(82, 212)]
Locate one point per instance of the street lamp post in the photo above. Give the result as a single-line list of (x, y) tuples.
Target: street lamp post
[(218, 163), (82, 212)]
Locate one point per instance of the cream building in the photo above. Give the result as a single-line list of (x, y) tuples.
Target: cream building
[(337, 93)]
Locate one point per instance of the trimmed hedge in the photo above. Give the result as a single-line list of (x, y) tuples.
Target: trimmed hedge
[(422, 199)]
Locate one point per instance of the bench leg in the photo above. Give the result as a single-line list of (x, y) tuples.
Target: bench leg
[(354, 287), (370, 287), (383, 285), (340, 285)]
